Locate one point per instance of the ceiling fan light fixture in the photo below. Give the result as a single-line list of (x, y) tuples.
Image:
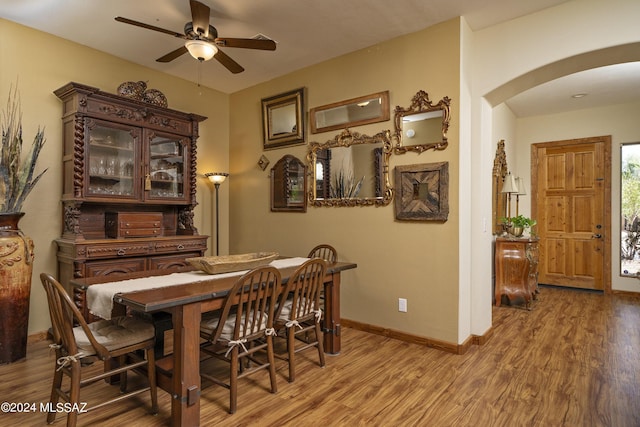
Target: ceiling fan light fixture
[(201, 50)]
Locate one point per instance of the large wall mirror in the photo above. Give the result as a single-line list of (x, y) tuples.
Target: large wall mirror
[(350, 170), (422, 126), (352, 112)]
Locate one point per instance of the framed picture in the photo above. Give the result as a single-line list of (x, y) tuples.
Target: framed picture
[(422, 192), (283, 119)]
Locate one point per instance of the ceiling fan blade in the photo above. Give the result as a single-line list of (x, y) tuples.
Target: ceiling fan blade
[(149, 27), (229, 63), (173, 55), (200, 17), (246, 43)]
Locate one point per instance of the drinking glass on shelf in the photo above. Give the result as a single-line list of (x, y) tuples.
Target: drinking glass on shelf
[(93, 166), (111, 166)]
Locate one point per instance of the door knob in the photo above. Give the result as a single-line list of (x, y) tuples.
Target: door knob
[(596, 236)]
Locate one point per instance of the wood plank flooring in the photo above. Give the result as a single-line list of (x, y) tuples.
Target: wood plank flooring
[(574, 360)]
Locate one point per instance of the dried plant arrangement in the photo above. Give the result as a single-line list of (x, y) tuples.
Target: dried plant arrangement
[(17, 171)]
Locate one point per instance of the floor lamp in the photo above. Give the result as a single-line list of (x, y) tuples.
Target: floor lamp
[(217, 178)]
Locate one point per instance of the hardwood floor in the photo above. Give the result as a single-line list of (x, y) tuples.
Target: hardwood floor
[(574, 360)]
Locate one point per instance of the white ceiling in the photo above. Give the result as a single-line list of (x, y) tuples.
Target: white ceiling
[(614, 84), (306, 31)]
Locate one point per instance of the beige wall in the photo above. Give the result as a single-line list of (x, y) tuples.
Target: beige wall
[(416, 261), (56, 63)]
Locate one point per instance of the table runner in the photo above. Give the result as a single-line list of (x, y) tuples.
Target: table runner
[(100, 296)]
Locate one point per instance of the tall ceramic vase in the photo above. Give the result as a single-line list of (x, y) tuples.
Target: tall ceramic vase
[(16, 267)]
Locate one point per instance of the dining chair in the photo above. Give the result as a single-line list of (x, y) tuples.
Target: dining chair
[(117, 342), (325, 252), (242, 328), (301, 312)]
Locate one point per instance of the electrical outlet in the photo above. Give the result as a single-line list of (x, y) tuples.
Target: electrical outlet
[(402, 305)]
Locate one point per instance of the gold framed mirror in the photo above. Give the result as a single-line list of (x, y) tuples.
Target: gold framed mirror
[(422, 126), (351, 112), (350, 170)]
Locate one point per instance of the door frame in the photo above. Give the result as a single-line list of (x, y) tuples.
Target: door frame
[(606, 268)]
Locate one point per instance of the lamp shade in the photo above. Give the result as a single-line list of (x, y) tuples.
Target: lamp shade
[(509, 185), (201, 50), (520, 185), (216, 177)]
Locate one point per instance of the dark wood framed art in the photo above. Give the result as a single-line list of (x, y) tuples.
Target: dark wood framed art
[(422, 192), (289, 185)]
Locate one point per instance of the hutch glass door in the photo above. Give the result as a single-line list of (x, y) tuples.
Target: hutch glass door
[(111, 159), (166, 176)]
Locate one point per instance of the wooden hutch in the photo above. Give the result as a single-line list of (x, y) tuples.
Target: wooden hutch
[(129, 186)]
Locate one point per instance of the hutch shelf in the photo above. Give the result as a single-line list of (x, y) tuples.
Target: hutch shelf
[(129, 186)]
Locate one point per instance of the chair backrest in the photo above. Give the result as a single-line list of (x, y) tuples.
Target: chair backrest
[(325, 252), (304, 288), (253, 299), (63, 313)]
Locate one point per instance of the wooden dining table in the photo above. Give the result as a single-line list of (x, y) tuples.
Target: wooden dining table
[(179, 372)]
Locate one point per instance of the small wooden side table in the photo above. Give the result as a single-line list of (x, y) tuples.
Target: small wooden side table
[(516, 264)]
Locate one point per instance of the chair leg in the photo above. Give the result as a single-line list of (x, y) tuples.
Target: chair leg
[(122, 360), (151, 375), (272, 364), (233, 381), (55, 387), (291, 342), (74, 393), (320, 344)]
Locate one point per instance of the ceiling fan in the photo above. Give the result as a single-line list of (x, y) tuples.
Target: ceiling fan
[(202, 40)]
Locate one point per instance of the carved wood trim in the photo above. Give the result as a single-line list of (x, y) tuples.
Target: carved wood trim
[(78, 156), (71, 219)]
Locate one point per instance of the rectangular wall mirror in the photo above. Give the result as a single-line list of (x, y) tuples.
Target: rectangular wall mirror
[(283, 119), (352, 112)]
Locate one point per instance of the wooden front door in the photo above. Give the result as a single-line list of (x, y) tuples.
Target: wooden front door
[(572, 198)]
